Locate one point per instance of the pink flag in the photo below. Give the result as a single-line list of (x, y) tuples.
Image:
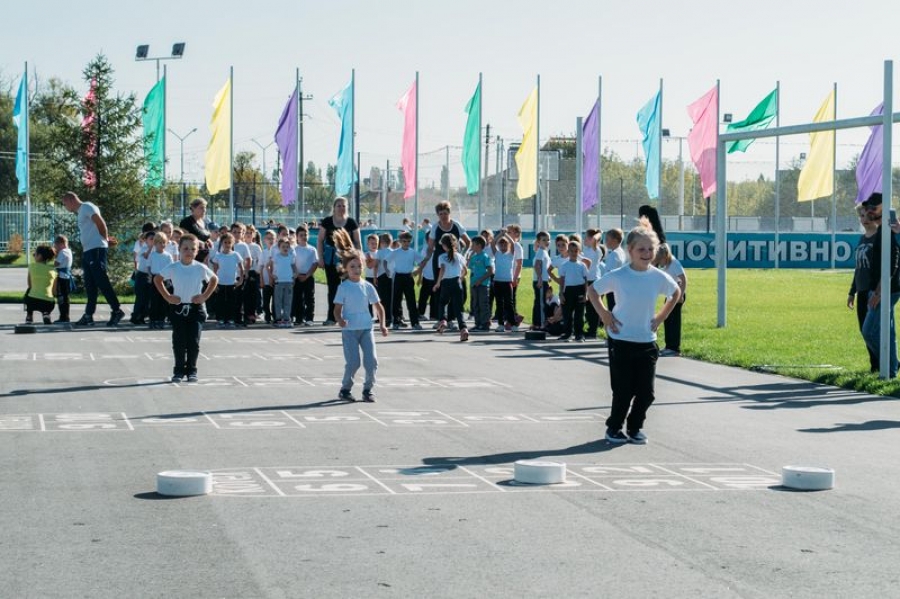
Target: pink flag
[(89, 132), (407, 106), (703, 138)]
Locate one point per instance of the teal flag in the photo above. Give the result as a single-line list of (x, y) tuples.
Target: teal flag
[(154, 117), (759, 118), (648, 122), (345, 173), (20, 120), (471, 151)]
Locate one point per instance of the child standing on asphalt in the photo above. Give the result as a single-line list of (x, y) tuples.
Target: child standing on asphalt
[(159, 259), (187, 277), (306, 259), (351, 312), (631, 329), (403, 260), (451, 269), (573, 276), (481, 270), (283, 269), (65, 282), (670, 265), (229, 267), (41, 293)]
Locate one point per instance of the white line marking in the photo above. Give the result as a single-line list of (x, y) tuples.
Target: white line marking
[(760, 469), (378, 482), (127, 421), (693, 480), (451, 418), (300, 424), (478, 476), (590, 480), (498, 383), (43, 424), (214, 423), (433, 382), (364, 413), (270, 483), (528, 417), (240, 381)]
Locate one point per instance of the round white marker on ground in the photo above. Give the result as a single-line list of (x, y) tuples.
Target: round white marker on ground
[(183, 483), (807, 478), (539, 472)]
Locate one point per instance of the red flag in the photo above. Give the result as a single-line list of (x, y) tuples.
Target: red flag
[(89, 132)]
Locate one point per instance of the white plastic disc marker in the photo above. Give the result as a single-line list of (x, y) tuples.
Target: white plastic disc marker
[(807, 478), (183, 483), (539, 472)]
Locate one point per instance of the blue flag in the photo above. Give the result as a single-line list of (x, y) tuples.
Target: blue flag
[(648, 122), (344, 175), (20, 119)]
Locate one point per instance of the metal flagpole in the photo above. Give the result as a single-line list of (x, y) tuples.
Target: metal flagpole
[(659, 164), (480, 187), (777, 171), (416, 169), (834, 184), (537, 154), (299, 196), (352, 131), (599, 152), (24, 123), (886, 306), (231, 142), (579, 173), (721, 241), (165, 109)]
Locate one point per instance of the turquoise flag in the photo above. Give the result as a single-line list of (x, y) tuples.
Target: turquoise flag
[(648, 122), (344, 175), (20, 120), (759, 118), (471, 151), (154, 117)]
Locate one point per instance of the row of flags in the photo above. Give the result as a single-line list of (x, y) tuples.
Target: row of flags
[(816, 176)]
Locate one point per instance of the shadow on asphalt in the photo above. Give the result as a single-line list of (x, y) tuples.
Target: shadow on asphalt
[(307, 406), (850, 427), (449, 462), (78, 388)]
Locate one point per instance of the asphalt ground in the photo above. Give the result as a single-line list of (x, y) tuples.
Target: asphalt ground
[(412, 496)]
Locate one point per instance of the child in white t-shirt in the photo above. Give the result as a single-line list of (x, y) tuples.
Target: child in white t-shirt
[(540, 278), (594, 252), (187, 277), (306, 259), (159, 259), (352, 300), (283, 269), (65, 281), (670, 265), (229, 267), (452, 268), (631, 328), (268, 248)]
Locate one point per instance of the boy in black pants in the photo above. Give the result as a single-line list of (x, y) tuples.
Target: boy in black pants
[(187, 312)]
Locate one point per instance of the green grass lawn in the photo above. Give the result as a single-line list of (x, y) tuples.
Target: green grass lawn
[(791, 322)]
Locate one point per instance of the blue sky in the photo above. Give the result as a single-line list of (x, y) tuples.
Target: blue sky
[(748, 46)]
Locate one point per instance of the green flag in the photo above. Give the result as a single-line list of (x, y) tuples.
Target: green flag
[(471, 151), (759, 118), (154, 116)]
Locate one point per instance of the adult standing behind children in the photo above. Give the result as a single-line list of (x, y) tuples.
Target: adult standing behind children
[(196, 224), (328, 254), (444, 225), (95, 242), (862, 280)]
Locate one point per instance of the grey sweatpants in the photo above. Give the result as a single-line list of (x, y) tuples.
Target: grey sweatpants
[(354, 341), (284, 293)]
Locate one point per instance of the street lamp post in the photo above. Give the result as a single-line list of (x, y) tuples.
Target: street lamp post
[(181, 178), (680, 139), (143, 50), (265, 175)]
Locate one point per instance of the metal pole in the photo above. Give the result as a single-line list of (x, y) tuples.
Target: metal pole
[(887, 235), (621, 203), (416, 169), (537, 154), (834, 184), (481, 191), (599, 152), (721, 211), (487, 155), (165, 108), (24, 123), (231, 142), (384, 196), (497, 171), (579, 173), (447, 171), (300, 199), (659, 149), (777, 171), (353, 130), (357, 166)]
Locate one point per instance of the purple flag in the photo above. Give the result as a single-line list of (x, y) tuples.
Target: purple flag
[(286, 139), (590, 151), (871, 161)]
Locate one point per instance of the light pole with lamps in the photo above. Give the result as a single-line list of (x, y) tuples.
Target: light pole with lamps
[(144, 49), (181, 141), (265, 174), (667, 135)]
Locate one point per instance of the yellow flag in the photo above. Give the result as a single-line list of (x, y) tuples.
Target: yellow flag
[(817, 175), (526, 156), (218, 153)]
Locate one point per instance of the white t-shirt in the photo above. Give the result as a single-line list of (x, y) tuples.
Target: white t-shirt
[(543, 256), (355, 297), (304, 258), (159, 260), (557, 261), (87, 228), (503, 266), (283, 267), (674, 269), (576, 273), (255, 256), (227, 267), (187, 281), (452, 268), (428, 270), (518, 254), (264, 258), (636, 294), (64, 260), (143, 259), (172, 248), (383, 255), (596, 269), (615, 259), (242, 250), (370, 272), (403, 261)]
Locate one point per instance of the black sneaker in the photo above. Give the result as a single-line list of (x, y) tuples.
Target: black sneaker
[(368, 396), (85, 321), (47, 320), (346, 395), (192, 378), (563, 338), (176, 378), (616, 436), (637, 437), (115, 318)]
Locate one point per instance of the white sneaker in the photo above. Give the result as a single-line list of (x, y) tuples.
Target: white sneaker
[(514, 329), (500, 329)]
